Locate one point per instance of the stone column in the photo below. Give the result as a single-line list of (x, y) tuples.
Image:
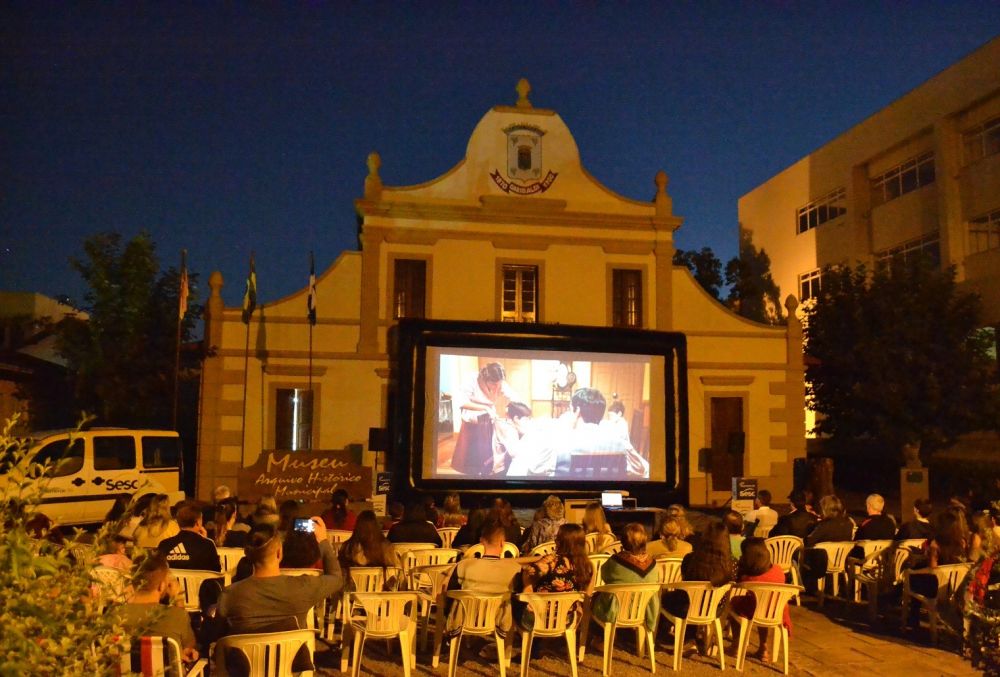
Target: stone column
[(795, 385), (947, 165), (210, 414)]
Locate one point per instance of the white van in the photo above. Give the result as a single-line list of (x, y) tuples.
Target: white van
[(92, 467)]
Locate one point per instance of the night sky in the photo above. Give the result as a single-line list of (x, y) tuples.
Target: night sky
[(239, 127)]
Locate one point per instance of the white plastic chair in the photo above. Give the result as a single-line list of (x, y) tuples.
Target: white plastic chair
[(612, 547), (476, 613), (784, 550), (546, 548), (361, 580), (317, 615), (447, 535), (836, 559), (870, 561), (668, 569), (771, 600), (387, 615), (269, 653), (230, 557), (338, 536), (430, 582), (478, 550), (426, 556), (553, 614), (157, 656), (112, 583), (597, 560), (633, 600), (400, 549), (191, 580), (911, 543), (703, 610), (948, 578)]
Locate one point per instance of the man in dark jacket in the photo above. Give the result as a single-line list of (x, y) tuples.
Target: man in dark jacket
[(799, 522), (414, 527), (920, 526), (877, 526), (190, 549)]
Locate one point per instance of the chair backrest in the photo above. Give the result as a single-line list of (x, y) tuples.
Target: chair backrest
[(425, 556), (873, 546), (402, 548), (783, 549), (476, 612), (590, 541), (597, 560), (384, 612), (836, 554), (668, 569), (478, 550), (762, 530), (113, 582), (338, 536), (447, 535), (949, 576), (546, 548), (269, 653), (771, 600), (430, 578), (899, 557), (612, 547), (292, 571), (911, 543), (152, 657), (704, 599), (372, 579), (191, 580), (554, 612), (230, 557), (633, 601)]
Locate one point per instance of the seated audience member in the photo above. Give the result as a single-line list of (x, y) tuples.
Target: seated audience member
[(367, 546), (800, 521), (269, 601), (288, 512), (266, 512), (670, 543), (876, 526), (755, 566), (710, 560), (982, 538), (451, 514), (492, 538), (144, 612), (118, 515), (414, 527), (300, 551), (595, 522), (489, 572), (220, 494), (156, 524), (678, 512), (734, 524), (548, 519), (228, 533), (339, 516), (920, 526), (114, 553), (834, 526), (468, 534), (133, 518), (430, 509), (566, 570), (948, 546), (394, 513), (504, 513), (631, 565), (190, 548), (762, 518)]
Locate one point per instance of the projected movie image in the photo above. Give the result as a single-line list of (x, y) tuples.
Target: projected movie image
[(524, 415)]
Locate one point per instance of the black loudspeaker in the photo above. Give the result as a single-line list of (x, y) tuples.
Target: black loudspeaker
[(736, 443), (378, 439), (704, 459)]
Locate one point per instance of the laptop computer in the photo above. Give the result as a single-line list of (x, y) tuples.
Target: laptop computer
[(611, 500)]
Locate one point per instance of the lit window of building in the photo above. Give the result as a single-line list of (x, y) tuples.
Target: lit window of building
[(826, 208), (904, 178), (928, 245), (626, 302), (409, 288), (984, 232), (519, 300), (810, 284), (982, 140)]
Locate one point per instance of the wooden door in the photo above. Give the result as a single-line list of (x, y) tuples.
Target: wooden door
[(727, 441)]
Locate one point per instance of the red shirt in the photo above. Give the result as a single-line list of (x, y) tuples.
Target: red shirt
[(346, 524), (745, 605)]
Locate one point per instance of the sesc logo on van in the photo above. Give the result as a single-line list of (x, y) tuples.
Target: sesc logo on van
[(90, 468)]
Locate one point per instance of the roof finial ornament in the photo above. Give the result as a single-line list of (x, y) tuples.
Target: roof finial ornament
[(373, 183), (664, 204), (523, 88)]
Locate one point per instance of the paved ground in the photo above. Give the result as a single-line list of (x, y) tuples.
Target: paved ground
[(833, 642)]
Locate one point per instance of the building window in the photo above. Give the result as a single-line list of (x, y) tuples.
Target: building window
[(409, 288), (916, 172), (810, 284), (626, 298), (293, 419), (984, 232), (982, 141), (928, 245), (826, 208), (519, 300)]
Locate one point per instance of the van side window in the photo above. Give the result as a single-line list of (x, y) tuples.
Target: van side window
[(65, 459), (161, 452), (114, 453)]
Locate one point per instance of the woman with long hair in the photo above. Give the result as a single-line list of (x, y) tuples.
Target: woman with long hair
[(671, 542), (565, 570), (547, 522), (156, 524), (503, 511), (595, 522), (225, 519), (710, 560), (451, 514), (367, 546)]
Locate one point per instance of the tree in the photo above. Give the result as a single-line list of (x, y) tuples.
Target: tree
[(706, 267), (894, 357), (752, 291), (123, 355)]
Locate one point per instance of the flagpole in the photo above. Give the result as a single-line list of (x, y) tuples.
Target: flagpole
[(249, 304), (182, 310), (311, 308)]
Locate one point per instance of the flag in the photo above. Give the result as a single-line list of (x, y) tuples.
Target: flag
[(184, 290), (250, 295), (311, 301)]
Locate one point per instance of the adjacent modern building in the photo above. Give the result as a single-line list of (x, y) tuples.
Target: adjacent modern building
[(921, 175), (517, 231)]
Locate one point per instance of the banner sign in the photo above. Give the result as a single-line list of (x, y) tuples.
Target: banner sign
[(309, 477), (520, 189), (383, 483), (744, 493)]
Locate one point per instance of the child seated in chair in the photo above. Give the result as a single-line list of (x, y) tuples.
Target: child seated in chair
[(755, 566)]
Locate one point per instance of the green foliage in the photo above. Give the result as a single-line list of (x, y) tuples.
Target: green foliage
[(123, 355), (52, 623), (753, 293), (894, 356), (706, 267)]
